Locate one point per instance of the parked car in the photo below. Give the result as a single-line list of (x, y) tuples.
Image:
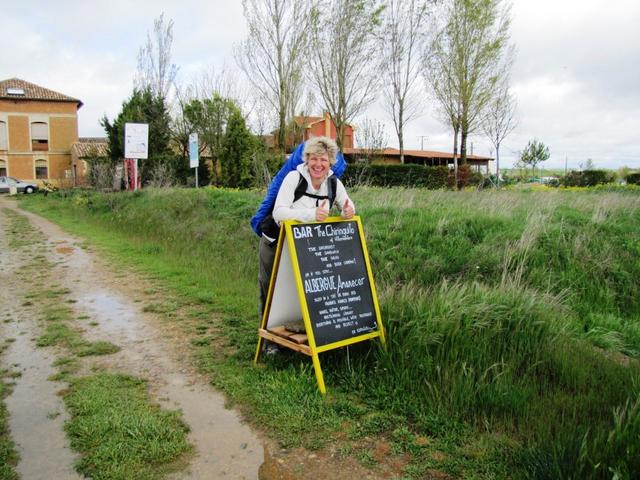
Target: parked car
[(22, 187)]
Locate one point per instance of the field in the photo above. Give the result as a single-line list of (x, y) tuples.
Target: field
[(513, 321)]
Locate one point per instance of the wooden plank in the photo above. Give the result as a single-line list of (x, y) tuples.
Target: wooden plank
[(281, 331), (300, 338), (284, 342)]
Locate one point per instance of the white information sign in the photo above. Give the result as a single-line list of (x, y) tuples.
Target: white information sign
[(193, 151), (136, 140)]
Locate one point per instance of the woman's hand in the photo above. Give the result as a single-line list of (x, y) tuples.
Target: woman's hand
[(347, 210), (322, 211)]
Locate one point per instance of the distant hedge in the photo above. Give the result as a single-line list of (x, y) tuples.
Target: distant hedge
[(432, 178), (587, 178), (634, 178)]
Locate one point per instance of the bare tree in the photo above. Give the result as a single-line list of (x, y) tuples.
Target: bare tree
[(342, 61), (403, 43), (271, 56), (155, 70), (500, 119), (372, 140), (221, 80), (472, 49)]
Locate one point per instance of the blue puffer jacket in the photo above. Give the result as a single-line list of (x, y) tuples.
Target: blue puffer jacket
[(272, 192)]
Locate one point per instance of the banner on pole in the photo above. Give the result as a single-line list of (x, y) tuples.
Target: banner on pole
[(136, 140), (194, 154)]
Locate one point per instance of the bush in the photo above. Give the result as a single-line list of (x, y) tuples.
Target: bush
[(432, 178), (633, 178), (587, 178), (466, 177)]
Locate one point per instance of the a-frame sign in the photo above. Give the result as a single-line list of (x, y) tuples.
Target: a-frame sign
[(321, 279)]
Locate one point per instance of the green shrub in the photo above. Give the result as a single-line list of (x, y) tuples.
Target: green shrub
[(634, 178), (432, 178), (587, 178)]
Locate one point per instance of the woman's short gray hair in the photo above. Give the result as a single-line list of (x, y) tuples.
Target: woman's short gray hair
[(320, 145)]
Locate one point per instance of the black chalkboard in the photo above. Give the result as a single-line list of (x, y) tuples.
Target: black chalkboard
[(336, 280)]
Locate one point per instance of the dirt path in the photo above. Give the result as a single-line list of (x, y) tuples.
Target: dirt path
[(151, 349)]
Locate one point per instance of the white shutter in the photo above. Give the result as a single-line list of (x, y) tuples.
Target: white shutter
[(4, 145), (39, 131)]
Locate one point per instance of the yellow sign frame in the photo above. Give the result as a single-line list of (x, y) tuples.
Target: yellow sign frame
[(312, 349)]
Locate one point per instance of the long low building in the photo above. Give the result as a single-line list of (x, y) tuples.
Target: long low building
[(420, 157)]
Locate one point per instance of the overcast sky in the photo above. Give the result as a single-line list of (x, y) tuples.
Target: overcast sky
[(576, 76)]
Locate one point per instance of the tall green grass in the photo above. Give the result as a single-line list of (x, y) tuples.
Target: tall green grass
[(509, 312)]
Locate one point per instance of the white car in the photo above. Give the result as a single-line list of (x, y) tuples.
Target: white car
[(7, 182)]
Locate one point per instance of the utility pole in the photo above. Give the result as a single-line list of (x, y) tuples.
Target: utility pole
[(422, 137), (565, 165)]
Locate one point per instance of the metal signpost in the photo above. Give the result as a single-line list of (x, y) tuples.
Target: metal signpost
[(136, 145), (194, 154)]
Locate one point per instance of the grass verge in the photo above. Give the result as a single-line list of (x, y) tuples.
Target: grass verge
[(512, 318)]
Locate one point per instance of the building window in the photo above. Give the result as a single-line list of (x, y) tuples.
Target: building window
[(39, 136), (3, 168), (42, 172), (4, 144)]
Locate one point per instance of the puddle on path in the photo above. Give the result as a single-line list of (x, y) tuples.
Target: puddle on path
[(226, 448), (113, 316), (36, 412)]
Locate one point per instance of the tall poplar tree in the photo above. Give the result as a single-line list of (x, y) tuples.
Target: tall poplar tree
[(155, 70), (500, 120), (470, 54), (272, 54), (342, 62), (403, 40)]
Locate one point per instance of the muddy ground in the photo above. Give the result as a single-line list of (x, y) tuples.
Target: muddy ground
[(110, 302)]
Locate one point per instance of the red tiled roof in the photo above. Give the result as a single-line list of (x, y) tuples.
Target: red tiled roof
[(31, 91), (309, 121), (90, 147)]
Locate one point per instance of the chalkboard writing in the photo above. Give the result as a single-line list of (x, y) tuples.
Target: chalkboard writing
[(336, 282)]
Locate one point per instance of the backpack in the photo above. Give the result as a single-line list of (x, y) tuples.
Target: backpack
[(271, 228)]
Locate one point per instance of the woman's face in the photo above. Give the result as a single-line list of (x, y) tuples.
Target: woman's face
[(319, 166)]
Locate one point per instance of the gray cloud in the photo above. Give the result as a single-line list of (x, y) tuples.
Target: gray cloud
[(576, 75)]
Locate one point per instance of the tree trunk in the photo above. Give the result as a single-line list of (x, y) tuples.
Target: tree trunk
[(282, 129), (339, 133), (455, 156), (400, 133), (463, 146), (498, 164)]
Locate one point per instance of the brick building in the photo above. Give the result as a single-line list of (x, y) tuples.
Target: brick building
[(37, 130), (302, 128)]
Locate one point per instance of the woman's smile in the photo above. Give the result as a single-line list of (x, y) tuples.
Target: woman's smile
[(318, 168)]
